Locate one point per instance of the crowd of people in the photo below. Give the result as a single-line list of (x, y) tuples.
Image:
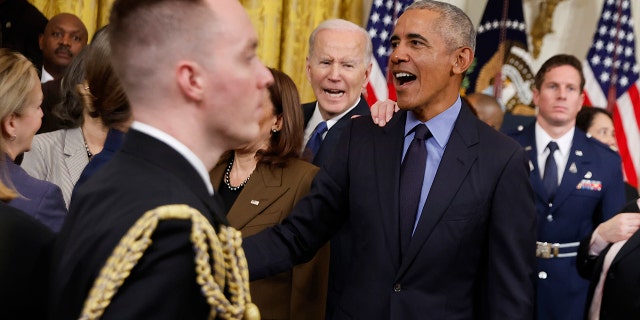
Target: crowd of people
[(419, 208)]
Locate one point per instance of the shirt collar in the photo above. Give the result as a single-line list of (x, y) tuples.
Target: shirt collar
[(440, 126), (543, 139), (46, 76)]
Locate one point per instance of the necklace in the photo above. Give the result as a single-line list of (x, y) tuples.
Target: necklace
[(86, 147), (227, 180)]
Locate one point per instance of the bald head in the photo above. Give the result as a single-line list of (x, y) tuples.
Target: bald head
[(63, 38), (488, 109)]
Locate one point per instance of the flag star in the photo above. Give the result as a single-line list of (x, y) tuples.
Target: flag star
[(624, 81), (610, 2), (625, 66), (628, 51), (598, 45), (382, 51), (487, 25), (372, 33), (508, 24), (480, 29), (610, 47), (621, 34), (375, 17), (606, 15), (612, 32), (595, 60), (630, 36), (618, 50), (378, 3), (384, 35), (496, 24), (389, 4), (615, 17), (604, 77), (387, 20), (625, 4), (625, 19), (607, 62), (636, 68), (602, 30), (522, 26), (616, 64), (398, 7)]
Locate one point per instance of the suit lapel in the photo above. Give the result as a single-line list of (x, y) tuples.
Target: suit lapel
[(460, 153), (259, 193), (387, 157), (576, 168)]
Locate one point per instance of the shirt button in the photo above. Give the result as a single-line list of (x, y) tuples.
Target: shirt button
[(542, 275), (397, 287), (550, 204), (550, 218)]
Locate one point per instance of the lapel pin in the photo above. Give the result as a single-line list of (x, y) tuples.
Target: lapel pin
[(579, 153), (255, 202), (573, 168), (588, 175), (527, 148)]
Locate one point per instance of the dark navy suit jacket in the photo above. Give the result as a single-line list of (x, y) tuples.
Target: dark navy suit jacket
[(591, 191), (472, 255), (144, 174), (38, 198)]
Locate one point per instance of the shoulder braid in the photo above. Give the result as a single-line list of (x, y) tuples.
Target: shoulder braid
[(229, 264)]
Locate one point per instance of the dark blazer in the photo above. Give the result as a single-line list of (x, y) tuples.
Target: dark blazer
[(332, 137), (25, 253), (472, 254), (144, 174), (340, 245), (621, 292), (266, 199), (575, 212), (38, 198)]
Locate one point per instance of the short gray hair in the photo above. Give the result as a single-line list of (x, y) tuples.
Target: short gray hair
[(341, 24), (454, 25)]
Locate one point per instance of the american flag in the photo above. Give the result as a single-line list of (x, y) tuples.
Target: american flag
[(382, 20), (611, 73)]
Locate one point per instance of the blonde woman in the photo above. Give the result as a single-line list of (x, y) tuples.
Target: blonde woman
[(21, 116)]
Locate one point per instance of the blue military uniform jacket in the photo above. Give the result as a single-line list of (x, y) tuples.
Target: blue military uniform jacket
[(591, 191)]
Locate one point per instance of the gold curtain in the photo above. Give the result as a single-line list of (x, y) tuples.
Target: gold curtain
[(283, 27), (94, 13)]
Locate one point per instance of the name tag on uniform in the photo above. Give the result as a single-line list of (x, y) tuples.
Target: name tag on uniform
[(593, 185)]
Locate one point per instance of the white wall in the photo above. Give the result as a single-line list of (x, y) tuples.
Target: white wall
[(574, 24)]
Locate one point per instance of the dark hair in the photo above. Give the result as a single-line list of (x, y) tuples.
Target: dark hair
[(286, 143), (557, 61), (71, 107), (585, 117), (108, 100)]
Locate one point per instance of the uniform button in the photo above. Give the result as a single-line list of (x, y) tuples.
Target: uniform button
[(550, 204), (542, 275), (550, 218), (397, 287)]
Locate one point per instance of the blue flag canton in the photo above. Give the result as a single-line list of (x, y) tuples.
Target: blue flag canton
[(382, 20), (612, 53)]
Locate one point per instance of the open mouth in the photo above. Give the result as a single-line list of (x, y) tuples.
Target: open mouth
[(334, 93), (404, 77)]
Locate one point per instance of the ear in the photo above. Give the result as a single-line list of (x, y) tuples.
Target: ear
[(536, 96), (463, 59), (278, 124), (308, 68), (8, 125), (190, 80), (367, 74)]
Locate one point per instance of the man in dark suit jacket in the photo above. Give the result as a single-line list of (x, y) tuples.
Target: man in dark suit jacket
[(340, 60), (470, 255), (615, 243), (180, 130), (589, 188)]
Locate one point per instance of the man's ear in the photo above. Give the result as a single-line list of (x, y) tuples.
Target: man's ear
[(463, 59), (307, 67), (190, 80)]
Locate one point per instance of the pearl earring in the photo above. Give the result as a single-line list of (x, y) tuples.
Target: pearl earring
[(274, 130)]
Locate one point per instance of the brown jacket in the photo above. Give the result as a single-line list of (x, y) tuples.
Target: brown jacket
[(268, 198)]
